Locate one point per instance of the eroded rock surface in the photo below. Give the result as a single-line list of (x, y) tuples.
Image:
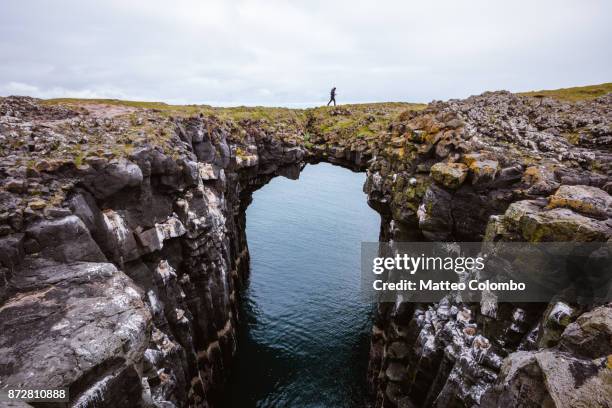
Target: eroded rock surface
[(121, 264), (497, 167), (70, 324)]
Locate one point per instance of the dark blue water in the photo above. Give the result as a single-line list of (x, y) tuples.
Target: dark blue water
[(305, 330)]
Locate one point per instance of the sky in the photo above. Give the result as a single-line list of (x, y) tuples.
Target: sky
[(290, 53)]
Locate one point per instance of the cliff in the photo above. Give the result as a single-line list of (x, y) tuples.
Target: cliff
[(495, 167), (122, 242)]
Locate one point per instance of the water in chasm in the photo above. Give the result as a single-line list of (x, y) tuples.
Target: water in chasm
[(304, 335)]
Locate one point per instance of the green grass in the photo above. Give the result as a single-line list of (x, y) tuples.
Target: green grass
[(78, 159), (578, 93), (347, 122), (355, 121), (117, 102), (236, 113)]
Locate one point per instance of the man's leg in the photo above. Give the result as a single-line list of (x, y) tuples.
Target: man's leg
[(330, 101), (334, 99)]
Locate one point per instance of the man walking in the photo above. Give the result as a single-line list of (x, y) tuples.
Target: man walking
[(332, 97)]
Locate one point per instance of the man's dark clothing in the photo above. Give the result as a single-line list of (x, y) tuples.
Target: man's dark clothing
[(332, 97)]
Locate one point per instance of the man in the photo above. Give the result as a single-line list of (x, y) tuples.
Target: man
[(332, 97)]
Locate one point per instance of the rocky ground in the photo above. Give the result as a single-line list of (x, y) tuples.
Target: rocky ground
[(122, 243)]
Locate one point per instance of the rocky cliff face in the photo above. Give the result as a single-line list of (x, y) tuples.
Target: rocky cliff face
[(122, 243), (120, 271), (495, 167)]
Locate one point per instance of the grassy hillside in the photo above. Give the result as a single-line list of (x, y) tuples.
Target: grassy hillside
[(235, 113), (577, 93), (345, 121)]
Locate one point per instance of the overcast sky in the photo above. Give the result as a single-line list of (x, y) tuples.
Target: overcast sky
[(291, 53)]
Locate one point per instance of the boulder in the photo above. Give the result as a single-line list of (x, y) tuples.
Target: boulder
[(587, 200), (79, 325), (434, 214), (556, 318), (112, 178), (550, 378), (448, 143), (561, 224), (536, 224), (540, 180), (574, 382), (120, 241), (483, 171), (84, 206), (191, 173), (153, 239), (591, 334), (450, 175), (65, 240), (509, 175), (470, 158), (223, 156), (295, 154), (171, 228)]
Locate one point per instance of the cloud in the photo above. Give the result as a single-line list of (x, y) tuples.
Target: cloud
[(275, 52), (20, 88)]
